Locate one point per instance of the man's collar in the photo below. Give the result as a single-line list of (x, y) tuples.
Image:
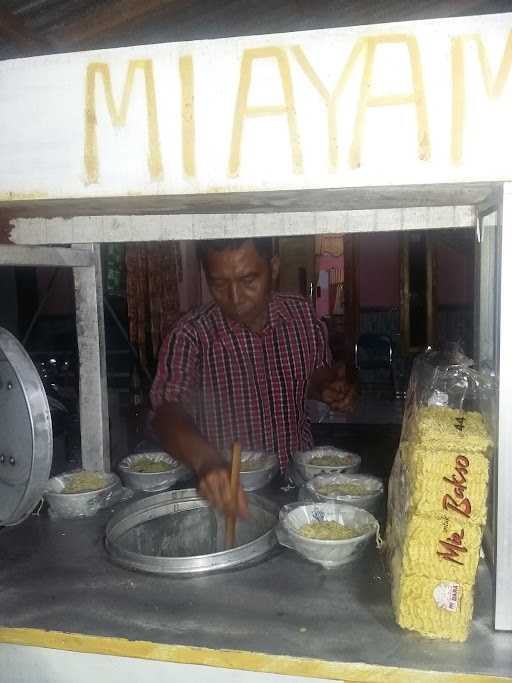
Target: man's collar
[(277, 314), (277, 311)]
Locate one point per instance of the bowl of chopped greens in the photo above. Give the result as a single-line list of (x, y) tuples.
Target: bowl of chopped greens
[(361, 490), (323, 460), (330, 534), (151, 471)]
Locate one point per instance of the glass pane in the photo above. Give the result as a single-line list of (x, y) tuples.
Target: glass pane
[(487, 306), (488, 291)]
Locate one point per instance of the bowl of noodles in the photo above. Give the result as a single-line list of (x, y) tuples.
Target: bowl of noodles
[(82, 493), (331, 534), (257, 469), (324, 460), (152, 471), (361, 490)]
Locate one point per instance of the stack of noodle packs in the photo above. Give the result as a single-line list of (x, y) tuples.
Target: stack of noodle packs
[(437, 500)]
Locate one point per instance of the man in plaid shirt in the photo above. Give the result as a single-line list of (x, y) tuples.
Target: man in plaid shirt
[(241, 368)]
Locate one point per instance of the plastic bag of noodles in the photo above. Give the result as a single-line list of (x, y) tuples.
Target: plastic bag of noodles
[(437, 499)]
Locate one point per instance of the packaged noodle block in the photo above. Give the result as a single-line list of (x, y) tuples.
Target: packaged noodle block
[(434, 607), (441, 548), (437, 496), (448, 483), (449, 429), (398, 508), (433, 557)]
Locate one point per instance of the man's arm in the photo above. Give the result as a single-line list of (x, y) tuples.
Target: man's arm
[(321, 378), (179, 435), (175, 390), (330, 385), (326, 383)]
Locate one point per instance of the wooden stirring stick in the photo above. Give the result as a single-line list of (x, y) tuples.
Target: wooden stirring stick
[(234, 485)]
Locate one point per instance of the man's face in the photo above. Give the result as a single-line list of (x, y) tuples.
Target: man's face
[(240, 281)]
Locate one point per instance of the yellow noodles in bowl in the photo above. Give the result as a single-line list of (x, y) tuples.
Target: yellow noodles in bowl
[(329, 531), (82, 482), (149, 466), (329, 460), (348, 489), (252, 465)]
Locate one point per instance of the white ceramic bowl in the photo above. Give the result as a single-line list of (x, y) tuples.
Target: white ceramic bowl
[(327, 553), (152, 482), (304, 462), (254, 479), (83, 504), (370, 501)]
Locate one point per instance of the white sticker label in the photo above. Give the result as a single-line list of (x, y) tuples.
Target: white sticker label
[(438, 398), (447, 596)]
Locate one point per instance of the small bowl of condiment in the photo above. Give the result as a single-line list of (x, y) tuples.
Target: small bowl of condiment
[(324, 460), (152, 471)]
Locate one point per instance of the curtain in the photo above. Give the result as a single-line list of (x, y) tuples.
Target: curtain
[(152, 274)]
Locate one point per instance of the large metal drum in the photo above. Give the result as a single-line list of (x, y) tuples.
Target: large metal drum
[(177, 532), (26, 443)]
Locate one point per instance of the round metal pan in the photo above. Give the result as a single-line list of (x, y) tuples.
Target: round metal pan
[(177, 532)]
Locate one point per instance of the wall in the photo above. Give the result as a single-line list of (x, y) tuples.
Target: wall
[(454, 275), (296, 253), (379, 270), (454, 257), (324, 263)]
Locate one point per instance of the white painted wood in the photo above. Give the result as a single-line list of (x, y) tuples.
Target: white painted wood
[(503, 478), (209, 226), (345, 198), (54, 257), (94, 423), (416, 103), (27, 664)]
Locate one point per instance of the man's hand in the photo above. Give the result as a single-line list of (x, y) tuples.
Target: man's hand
[(338, 393), (179, 435), (215, 486)]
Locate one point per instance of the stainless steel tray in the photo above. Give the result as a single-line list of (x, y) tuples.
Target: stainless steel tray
[(177, 532)]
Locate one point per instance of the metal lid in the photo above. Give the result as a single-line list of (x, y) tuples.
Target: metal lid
[(25, 433)]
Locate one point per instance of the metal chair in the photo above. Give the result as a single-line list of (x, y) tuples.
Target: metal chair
[(374, 361)]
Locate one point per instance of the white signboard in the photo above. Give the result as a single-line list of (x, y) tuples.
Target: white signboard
[(400, 104)]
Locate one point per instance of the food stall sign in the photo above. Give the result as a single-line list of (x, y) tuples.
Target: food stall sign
[(392, 104)]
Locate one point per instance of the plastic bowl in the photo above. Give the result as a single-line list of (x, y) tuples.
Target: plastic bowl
[(83, 504), (254, 479), (304, 466), (152, 482), (370, 501), (317, 411), (327, 553)]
